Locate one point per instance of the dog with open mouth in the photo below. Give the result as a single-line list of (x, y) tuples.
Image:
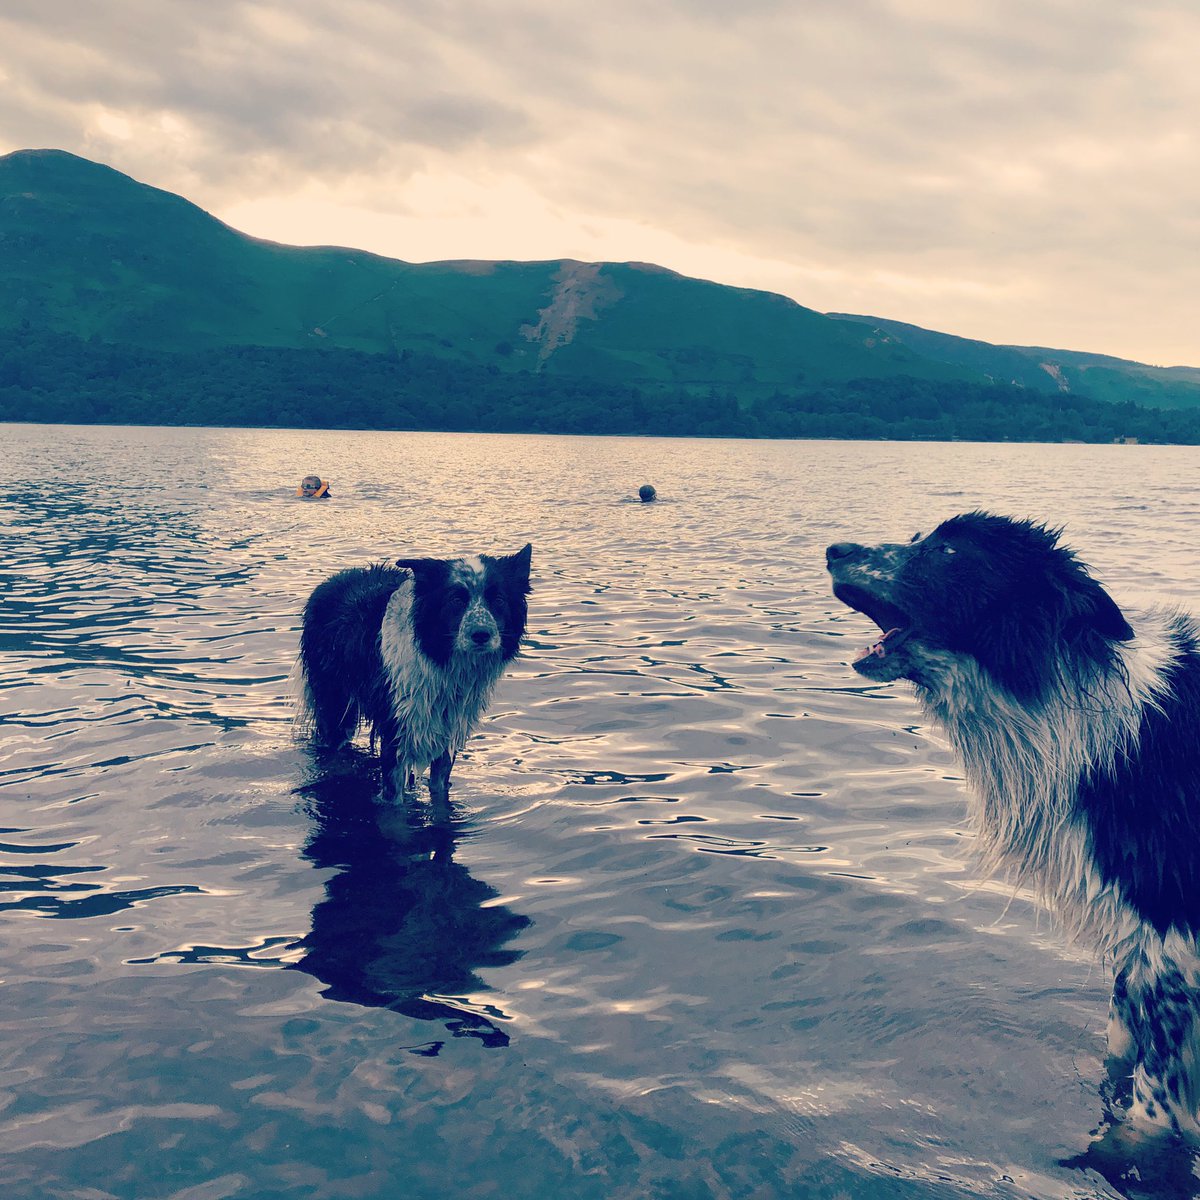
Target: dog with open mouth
[(1078, 727)]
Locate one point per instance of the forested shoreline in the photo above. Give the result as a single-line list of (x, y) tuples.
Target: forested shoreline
[(58, 378)]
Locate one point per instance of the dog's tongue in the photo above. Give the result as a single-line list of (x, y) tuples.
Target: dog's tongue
[(879, 649)]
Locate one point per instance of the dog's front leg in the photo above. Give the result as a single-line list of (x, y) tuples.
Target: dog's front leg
[(1120, 1036), (439, 776), (398, 778), (1157, 1023), (397, 781)]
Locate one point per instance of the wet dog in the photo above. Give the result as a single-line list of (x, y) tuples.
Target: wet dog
[(1079, 731), (414, 649)]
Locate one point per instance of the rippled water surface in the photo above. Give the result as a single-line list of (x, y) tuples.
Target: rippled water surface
[(704, 924)]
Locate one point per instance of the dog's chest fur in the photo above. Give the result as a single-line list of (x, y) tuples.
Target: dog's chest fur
[(435, 705), (1044, 780)]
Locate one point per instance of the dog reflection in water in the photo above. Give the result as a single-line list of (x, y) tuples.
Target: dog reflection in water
[(402, 926)]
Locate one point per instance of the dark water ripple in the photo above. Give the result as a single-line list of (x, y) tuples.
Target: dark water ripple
[(701, 921)]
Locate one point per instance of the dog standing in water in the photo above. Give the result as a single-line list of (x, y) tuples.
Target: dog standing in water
[(414, 649), (1079, 731)]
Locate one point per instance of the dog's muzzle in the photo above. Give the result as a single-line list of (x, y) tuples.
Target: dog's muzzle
[(840, 550), (480, 632), (863, 579)]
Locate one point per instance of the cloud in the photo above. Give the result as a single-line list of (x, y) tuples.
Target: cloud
[(1001, 168)]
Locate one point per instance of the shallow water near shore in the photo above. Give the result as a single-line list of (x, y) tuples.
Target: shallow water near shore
[(702, 922)]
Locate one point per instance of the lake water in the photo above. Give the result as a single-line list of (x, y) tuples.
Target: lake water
[(705, 923)]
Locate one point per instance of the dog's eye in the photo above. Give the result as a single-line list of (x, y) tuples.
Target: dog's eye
[(491, 593), (459, 594)]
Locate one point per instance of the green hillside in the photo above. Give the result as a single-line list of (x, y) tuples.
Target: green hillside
[(123, 303), (1053, 372), (91, 252)]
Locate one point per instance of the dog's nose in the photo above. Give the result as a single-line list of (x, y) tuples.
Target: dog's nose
[(840, 550), (481, 636)]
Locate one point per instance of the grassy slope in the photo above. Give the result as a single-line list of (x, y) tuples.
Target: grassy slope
[(1099, 376), (91, 252), (674, 327)]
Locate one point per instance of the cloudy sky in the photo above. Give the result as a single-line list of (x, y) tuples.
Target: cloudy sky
[(1023, 171)]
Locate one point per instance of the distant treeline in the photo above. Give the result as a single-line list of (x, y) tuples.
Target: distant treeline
[(47, 377)]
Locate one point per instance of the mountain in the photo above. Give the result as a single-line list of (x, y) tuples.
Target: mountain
[(123, 303), (1054, 372), (90, 252)]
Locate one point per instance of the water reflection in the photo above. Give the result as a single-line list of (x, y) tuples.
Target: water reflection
[(1138, 1164), (403, 925), (1141, 1167), (763, 966)]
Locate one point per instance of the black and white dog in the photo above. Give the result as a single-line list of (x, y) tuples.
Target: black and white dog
[(414, 649), (1079, 730)]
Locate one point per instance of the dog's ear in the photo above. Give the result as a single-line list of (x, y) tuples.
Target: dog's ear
[(1088, 623), (424, 569), (1095, 613), (1069, 611), (1015, 654), (517, 565)]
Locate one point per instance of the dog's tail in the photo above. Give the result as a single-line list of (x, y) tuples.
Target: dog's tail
[(301, 701), (339, 668), (327, 712), (327, 720)]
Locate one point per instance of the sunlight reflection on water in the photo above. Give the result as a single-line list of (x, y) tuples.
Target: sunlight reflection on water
[(704, 922)]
